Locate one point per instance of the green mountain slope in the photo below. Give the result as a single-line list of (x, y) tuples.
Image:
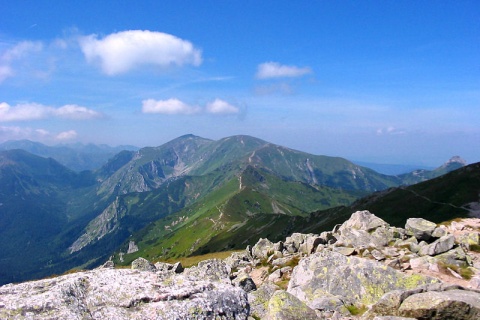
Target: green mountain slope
[(188, 196), (424, 175), (247, 207), (453, 195)]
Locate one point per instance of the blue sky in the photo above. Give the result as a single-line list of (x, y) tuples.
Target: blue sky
[(378, 81)]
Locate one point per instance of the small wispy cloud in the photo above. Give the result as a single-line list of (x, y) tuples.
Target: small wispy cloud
[(17, 52), (35, 111), (175, 106), (121, 52), (390, 131), (170, 106), (66, 135), (270, 70), (219, 106)]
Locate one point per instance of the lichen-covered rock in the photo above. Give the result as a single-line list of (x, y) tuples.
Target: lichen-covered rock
[(441, 245), (468, 238), (212, 270), (420, 228), (284, 306), (363, 220), (262, 249), (143, 265), (452, 304), (122, 294), (244, 281), (360, 281), (259, 299)]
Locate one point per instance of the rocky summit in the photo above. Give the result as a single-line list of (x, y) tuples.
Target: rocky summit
[(362, 269)]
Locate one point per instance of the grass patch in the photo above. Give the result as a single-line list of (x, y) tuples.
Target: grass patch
[(356, 311), (475, 247), (465, 272)]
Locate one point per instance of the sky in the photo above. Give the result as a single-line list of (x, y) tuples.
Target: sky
[(379, 81)]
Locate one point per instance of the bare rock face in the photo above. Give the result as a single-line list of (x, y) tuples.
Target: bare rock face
[(123, 294)]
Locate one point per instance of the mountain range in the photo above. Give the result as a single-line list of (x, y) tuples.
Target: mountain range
[(189, 196), (76, 156)]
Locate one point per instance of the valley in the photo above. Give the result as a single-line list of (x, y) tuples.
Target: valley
[(193, 196)]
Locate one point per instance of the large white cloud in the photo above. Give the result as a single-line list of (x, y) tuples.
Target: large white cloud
[(170, 106), (123, 51), (35, 111), (275, 70), (219, 106)]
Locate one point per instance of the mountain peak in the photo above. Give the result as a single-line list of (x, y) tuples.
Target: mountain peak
[(454, 161)]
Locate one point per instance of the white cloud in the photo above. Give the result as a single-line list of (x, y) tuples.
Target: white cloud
[(219, 106), (390, 131), (275, 70), (175, 106), (66, 135), (17, 133), (17, 52), (72, 111), (123, 51), (170, 106), (35, 111)]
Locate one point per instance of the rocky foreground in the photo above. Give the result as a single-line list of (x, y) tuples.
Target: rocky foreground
[(363, 269)]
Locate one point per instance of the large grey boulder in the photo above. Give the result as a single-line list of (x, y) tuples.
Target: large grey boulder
[(211, 270), (262, 249), (436, 301), (439, 246), (420, 228), (122, 294), (259, 299), (452, 304), (143, 265), (359, 281), (363, 220)]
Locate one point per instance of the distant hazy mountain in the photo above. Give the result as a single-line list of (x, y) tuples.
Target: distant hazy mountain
[(188, 196), (392, 169), (422, 175), (77, 156), (453, 195)]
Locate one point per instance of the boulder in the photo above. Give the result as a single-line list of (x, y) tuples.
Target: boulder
[(441, 245), (143, 265), (363, 220), (284, 306), (212, 270), (435, 301), (259, 299), (420, 228), (468, 239), (359, 281), (452, 304), (177, 267), (262, 249), (244, 281), (122, 294)]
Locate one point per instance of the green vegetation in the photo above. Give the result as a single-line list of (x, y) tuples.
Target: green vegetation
[(194, 196)]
